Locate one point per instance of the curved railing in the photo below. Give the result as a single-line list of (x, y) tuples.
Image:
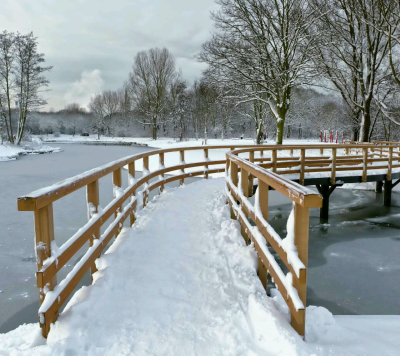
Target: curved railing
[(267, 163), (52, 296)]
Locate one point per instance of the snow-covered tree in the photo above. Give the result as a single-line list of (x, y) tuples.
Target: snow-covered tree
[(149, 82), (268, 45), (353, 53)]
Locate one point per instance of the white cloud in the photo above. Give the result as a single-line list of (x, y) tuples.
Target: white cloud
[(83, 89)]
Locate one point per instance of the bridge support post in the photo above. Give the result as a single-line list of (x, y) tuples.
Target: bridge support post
[(378, 186), (325, 191), (387, 196), (324, 211)]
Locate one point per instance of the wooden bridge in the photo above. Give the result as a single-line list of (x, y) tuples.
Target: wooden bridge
[(286, 169)]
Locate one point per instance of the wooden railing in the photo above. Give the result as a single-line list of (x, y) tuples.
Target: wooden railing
[(52, 296), (293, 250), (279, 160)]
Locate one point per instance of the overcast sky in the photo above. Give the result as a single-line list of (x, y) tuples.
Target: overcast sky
[(91, 43)]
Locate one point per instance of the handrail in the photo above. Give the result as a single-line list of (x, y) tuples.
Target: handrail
[(293, 251), (49, 263)]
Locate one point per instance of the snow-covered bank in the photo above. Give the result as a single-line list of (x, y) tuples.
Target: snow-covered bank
[(11, 152), (164, 142), (182, 282)]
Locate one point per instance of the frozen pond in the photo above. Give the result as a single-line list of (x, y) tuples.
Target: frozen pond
[(354, 262)]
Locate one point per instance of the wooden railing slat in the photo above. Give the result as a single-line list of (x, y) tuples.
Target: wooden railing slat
[(93, 202)]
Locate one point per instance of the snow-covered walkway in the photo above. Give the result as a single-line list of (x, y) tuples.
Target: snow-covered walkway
[(182, 282)]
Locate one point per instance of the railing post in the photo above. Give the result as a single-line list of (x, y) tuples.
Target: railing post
[(250, 189), (244, 186), (301, 227), (145, 172), (206, 165), (333, 171), (321, 151), (117, 182), (263, 193), (244, 178), (131, 177), (261, 156), (161, 166), (182, 157), (302, 165), (93, 202), (390, 163), (274, 160), (234, 179), (44, 235), (365, 164)]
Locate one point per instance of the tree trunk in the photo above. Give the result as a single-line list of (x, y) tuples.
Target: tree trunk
[(355, 134), (279, 131), (365, 126), (154, 128)]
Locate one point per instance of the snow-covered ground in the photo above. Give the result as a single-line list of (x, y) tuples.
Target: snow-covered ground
[(182, 282), (11, 152), (165, 142)]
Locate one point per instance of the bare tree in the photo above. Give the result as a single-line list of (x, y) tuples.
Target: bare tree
[(96, 106), (204, 106), (74, 111), (21, 79), (149, 82), (269, 47), (29, 78), (111, 104), (353, 53), (180, 109), (7, 58)]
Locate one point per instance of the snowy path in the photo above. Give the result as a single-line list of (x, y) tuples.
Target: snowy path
[(182, 282)]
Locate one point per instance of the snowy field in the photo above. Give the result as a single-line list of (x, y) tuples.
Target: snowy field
[(191, 288)]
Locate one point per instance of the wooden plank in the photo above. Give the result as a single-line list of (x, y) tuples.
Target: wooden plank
[(274, 160), (263, 194), (302, 165), (44, 235), (250, 188), (182, 158), (93, 202), (234, 174), (146, 172), (117, 183), (161, 159), (333, 172), (365, 165), (390, 164), (244, 178), (301, 228), (131, 177), (206, 165)]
